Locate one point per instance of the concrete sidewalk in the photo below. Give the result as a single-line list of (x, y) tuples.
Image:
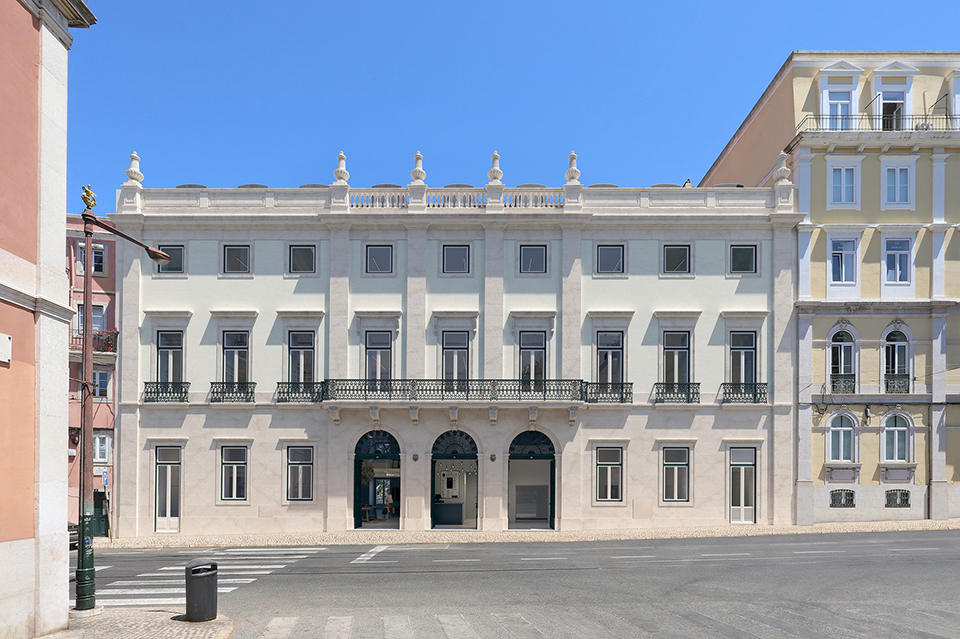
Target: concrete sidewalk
[(380, 536), (144, 623)]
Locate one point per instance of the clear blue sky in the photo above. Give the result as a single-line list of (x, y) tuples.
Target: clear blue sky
[(228, 93)]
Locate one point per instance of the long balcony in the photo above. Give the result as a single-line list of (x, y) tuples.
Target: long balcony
[(300, 392), (734, 393), (165, 391), (232, 391), (879, 123), (460, 390), (677, 393), (896, 383), (103, 342), (844, 384)]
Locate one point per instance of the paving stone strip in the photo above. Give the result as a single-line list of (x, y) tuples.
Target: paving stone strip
[(379, 537), (152, 623)]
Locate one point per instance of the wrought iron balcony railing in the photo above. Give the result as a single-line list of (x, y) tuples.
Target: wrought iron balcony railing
[(232, 391), (165, 391), (677, 393), (736, 393), (103, 342), (608, 392), (466, 390), (844, 384), (896, 383), (879, 123), (303, 392)]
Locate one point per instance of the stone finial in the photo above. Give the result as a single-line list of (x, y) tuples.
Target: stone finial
[(572, 173), (688, 184), (495, 173), (341, 171), (133, 173), (781, 173), (418, 174)]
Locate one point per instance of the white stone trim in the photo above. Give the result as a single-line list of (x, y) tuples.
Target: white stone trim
[(844, 161)]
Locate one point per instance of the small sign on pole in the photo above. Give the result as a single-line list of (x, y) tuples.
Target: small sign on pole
[(105, 482)]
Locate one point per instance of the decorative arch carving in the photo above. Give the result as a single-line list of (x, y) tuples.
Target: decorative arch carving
[(455, 442), (377, 442), (531, 442)]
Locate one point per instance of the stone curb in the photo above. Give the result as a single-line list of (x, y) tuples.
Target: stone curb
[(378, 537), (144, 623)]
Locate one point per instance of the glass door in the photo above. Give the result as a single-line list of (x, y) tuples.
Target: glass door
[(743, 485), (168, 489)]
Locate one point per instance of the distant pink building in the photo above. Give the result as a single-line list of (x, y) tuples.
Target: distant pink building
[(104, 364)]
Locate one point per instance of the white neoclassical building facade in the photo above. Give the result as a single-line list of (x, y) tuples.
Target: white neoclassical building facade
[(328, 358)]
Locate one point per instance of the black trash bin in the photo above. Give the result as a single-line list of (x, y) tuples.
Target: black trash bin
[(201, 590)]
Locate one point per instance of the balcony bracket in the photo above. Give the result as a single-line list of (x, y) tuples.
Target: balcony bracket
[(334, 414), (493, 417), (533, 418), (574, 410), (415, 416), (454, 414), (375, 416)]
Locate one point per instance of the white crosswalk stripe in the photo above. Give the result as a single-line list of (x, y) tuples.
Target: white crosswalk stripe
[(397, 627), (279, 628), (456, 627), (338, 628)]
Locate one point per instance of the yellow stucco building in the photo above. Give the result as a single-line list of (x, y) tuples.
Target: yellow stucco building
[(873, 139)]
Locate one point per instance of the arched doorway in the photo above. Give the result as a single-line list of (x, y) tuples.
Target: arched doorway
[(531, 481), (453, 481), (376, 481)]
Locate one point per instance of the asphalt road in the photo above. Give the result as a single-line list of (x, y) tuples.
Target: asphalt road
[(869, 586)]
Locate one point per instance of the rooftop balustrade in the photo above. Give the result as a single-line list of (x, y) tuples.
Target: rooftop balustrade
[(879, 123)]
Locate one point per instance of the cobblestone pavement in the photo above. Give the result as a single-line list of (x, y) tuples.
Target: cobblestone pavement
[(377, 537), (143, 623)]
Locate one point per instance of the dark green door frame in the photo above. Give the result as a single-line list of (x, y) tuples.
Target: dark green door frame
[(553, 480), (358, 483), (433, 477)]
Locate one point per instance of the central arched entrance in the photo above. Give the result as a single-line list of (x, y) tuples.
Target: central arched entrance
[(376, 481), (531, 491), (453, 481)]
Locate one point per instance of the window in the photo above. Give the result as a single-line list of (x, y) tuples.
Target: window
[(609, 474), (743, 358), (97, 319), (532, 355), (302, 259), (842, 499), (101, 446), (676, 474), (676, 357), (456, 259), (455, 357), (842, 377), (610, 259), (898, 498), (898, 185), (892, 110), (234, 478), (378, 355), (236, 259), (170, 356), (896, 370), (235, 357), (897, 260), (299, 473), (843, 261), (379, 259), (844, 185), (841, 439), (743, 259), (838, 103), (676, 259), (533, 259), (301, 356), (610, 357), (175, 265), (99, 261), (895, 439), (100, 383)]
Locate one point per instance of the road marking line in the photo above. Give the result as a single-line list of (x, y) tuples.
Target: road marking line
[(99, 568), (226, 557), (517, 626), (365, 557), (152, 591), (279, 628), (160, 582), (338, 628), (910, 549), (456, 627), (438, 561), (166, 601), (397, 627), (222, 572), (817, 552), (541, 558), (635, 557), (229, 566), (726, 554)]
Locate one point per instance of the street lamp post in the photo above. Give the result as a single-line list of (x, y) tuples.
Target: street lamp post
[(86, 588)]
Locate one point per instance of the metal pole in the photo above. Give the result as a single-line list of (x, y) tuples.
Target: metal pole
[(86, 588)]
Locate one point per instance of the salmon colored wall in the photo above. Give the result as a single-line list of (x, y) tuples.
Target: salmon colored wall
[(19, 129), (17, 426)]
